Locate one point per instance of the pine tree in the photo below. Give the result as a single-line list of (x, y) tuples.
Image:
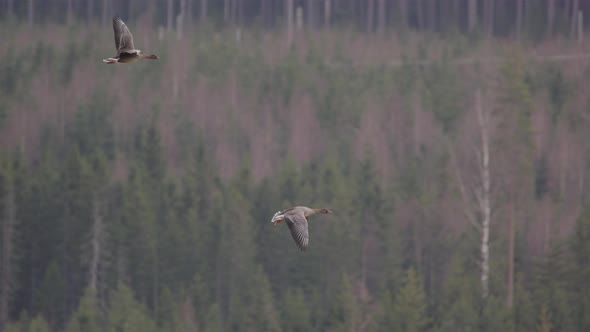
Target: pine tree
[(580, 272), (38, 324), (343, 312), (128, 315), (296, 316), (86, 318), (50, 296), (458, 304), (410, 307)]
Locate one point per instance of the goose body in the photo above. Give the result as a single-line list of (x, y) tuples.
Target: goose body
[(296, 220), (126, 52)]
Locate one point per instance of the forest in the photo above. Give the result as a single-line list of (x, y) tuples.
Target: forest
[(449, 137)]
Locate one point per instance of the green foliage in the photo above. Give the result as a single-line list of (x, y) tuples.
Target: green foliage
[(295, 312), (86, 318), (343, 313), (459, 307), (187, 247), (50, 297), (126, 314), (443, 93), (410, 309)]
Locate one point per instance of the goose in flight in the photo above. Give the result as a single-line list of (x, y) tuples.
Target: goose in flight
[(126, 52), (296, 219)]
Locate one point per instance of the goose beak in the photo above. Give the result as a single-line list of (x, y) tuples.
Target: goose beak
[(278, 216)]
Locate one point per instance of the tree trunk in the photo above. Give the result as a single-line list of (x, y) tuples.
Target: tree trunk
[(10, 8), (381, 17), (70, 13), (310, 19), (489, 16), (420, 14), (550, 17), (7, 268), (472, 15), (289, 22), (89, 11), (370, 15), (484, 196), (431, 15), (327, 13), (180, 19), (403, 13), (580, 27), (169, 15), (203, 16), (105, 10), (519, 14), (510, 286), (30, 12), (574, 17)]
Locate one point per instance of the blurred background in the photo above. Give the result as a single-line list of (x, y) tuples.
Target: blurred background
[(450, 137)]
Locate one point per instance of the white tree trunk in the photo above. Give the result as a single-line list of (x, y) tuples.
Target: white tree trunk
[(484, 194), (478, 206), (7, 273)]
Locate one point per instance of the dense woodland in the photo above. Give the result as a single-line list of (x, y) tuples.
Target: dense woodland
[(449, 137)]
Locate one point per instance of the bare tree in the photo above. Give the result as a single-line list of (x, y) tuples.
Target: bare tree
[(289, 22), (489, 16), (381, 17), (10, 8), (89, 11), (550, 17), (327, 13), (7, 266), (519, 16), (574, 17), (370, 15), (30, 12), (420, 13), (105, 11), (203, 19), (472, 15), (403, 13), (70, 13), (180, 19), (477, 194), (169, 14)]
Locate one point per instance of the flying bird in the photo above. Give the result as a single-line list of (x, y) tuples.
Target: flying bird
[(296, 219), (126, 52)]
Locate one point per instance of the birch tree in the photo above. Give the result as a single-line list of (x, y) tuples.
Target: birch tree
[(476, 191)]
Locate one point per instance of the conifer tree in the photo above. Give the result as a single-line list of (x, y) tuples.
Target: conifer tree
[(410, 309)]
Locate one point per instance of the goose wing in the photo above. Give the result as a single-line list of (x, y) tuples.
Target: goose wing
[(123, 37), (298, 226)]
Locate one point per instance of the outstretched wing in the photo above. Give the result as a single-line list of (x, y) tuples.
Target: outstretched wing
[(298, 226), (123, 37)]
